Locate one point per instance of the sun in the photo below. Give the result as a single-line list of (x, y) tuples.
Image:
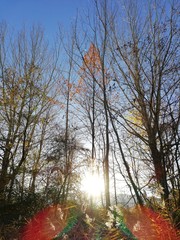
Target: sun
[(92, 184)]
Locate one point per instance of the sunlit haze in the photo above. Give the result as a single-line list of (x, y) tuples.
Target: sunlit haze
[(92, 184)]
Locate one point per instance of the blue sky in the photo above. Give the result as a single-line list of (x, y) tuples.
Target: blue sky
[(48, 13)]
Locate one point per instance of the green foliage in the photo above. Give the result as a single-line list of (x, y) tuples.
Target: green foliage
[(73, 219)]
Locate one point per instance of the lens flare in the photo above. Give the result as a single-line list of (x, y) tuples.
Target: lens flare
[(144, 223), (46, 224)]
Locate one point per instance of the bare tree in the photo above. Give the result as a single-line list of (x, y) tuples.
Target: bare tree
[(92, 84), (146, 71), (26, 86)]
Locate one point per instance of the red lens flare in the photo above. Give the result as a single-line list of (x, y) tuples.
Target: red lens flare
[(145, 224), (46, 224)]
